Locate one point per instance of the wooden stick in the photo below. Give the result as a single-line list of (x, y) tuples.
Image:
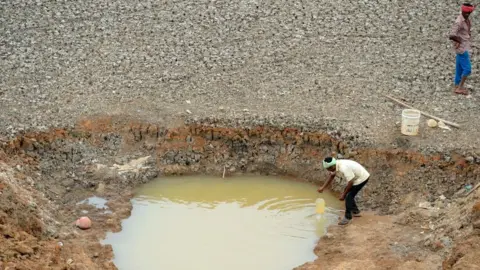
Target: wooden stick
[(424, 113), (223, 176)]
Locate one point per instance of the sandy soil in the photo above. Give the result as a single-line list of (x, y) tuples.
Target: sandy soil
[(373, 242)]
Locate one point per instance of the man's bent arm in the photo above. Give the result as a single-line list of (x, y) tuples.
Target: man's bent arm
[(348, 187), (455, 38), (454, 32), (329, 181)]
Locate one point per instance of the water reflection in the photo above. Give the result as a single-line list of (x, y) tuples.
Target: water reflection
[(212, 223)]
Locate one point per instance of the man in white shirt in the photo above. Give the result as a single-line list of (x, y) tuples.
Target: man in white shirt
[(357, 177)]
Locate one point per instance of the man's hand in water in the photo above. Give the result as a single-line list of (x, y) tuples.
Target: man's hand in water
[(320, 190), (342, 197)]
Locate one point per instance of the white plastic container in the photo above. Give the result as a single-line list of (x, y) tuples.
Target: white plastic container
[(410, 122)]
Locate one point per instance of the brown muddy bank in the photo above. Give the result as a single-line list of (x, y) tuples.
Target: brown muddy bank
[(44, 175)]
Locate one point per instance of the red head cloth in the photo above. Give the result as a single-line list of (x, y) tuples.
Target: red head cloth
[(467, 9)]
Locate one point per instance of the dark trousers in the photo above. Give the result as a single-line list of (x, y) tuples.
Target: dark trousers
[(350, 204)]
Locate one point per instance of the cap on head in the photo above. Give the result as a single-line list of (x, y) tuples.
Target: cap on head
[(329, 162), (467, 8)]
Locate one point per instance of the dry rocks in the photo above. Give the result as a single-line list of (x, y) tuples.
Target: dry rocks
[(23, 249), (476, 224), (270, 58), (7, 232)]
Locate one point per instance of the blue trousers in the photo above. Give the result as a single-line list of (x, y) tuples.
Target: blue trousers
[(463, 67)]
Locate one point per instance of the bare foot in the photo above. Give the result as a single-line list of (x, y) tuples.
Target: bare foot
[(461, 91)]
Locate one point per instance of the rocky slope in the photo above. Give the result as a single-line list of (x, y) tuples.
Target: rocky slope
[(307, 62)]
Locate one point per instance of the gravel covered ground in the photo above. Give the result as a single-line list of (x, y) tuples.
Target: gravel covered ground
[(291, 62)]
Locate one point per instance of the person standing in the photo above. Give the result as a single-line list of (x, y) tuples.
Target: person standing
[(461, 36), (357, 177)]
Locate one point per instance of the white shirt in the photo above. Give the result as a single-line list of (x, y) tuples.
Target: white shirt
[(352, 170)]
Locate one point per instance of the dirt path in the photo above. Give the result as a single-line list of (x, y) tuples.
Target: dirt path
[(373, 242)]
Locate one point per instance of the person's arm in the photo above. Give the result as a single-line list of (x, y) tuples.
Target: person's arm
[(347, 189), (454, 33), (349, 175), (456, 39), (329, 181)]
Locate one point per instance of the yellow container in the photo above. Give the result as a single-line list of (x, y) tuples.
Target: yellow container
[(320, 206)]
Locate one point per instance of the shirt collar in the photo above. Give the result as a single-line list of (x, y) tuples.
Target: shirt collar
[(462, 19)]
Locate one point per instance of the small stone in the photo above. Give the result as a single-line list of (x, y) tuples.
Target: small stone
[(427, 242), (352, 154), (79, 266), (101, 188), (470, 159), (188, 111), (440, 204), (68, 182), (328, 236), (83, 223), (221, 108), (10, 266), (476, 209), (437, 245), (461, 164), (442, 125), (245, 110), (432, 123), (442, 197), (188, 101), (425, 205), (23, 249), (476, 224), (69, 261), (6, 231), (447, 242)]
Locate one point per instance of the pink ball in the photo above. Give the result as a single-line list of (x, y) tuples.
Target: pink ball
[(84, 223)]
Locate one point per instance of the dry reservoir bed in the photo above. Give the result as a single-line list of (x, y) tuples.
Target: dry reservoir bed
[(423, 216)]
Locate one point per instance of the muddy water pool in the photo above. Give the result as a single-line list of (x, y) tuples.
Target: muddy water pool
[(199, 222)]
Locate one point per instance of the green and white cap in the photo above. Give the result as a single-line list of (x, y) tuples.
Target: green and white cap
[(329, 162)]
